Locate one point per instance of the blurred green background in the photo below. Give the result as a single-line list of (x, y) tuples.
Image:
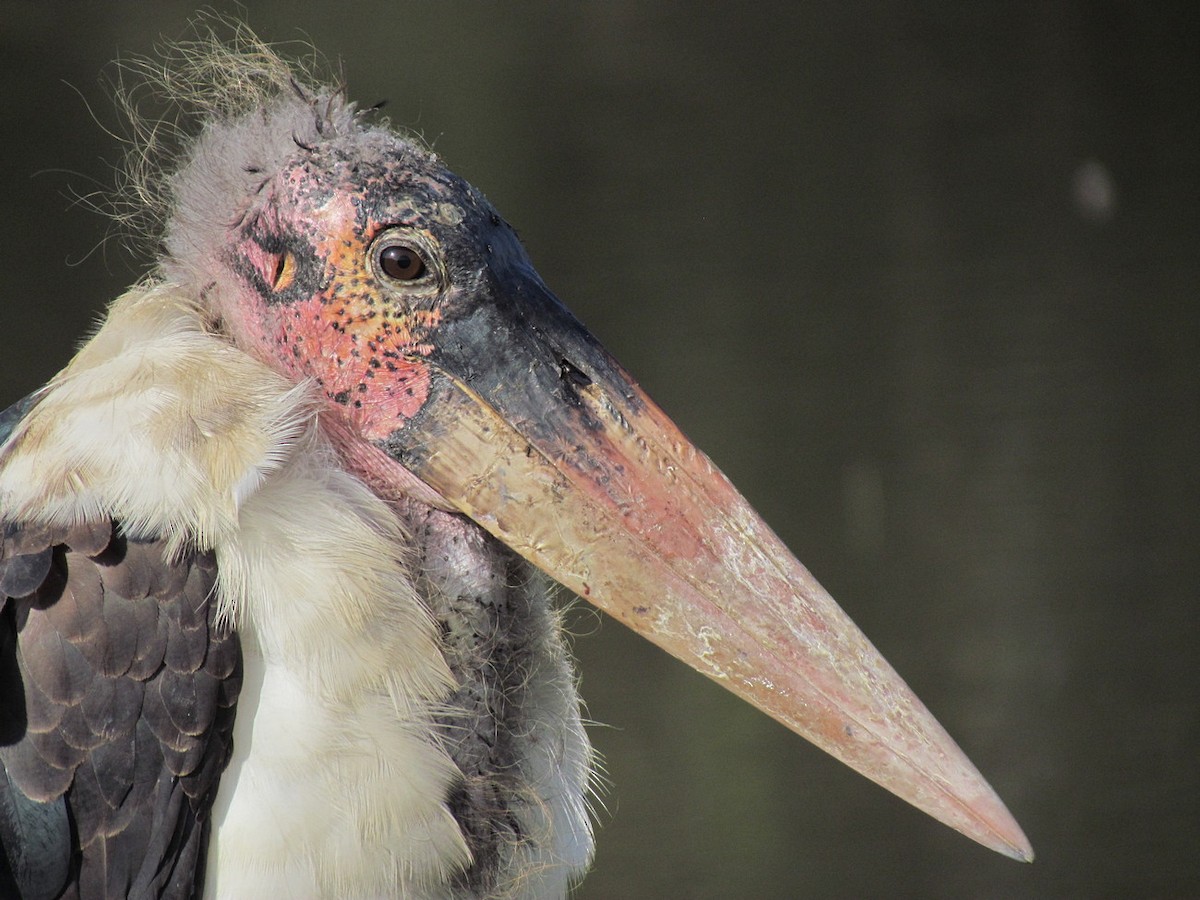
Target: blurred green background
[(920, 277)]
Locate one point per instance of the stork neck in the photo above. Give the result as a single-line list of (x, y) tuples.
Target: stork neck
[(386, 477)]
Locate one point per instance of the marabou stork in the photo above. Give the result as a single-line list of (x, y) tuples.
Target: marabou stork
[(274, 541)]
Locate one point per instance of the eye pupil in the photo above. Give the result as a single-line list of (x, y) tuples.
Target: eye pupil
[(401, 263)]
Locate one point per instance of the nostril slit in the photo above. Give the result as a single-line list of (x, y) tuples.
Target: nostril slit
[(570, 372)]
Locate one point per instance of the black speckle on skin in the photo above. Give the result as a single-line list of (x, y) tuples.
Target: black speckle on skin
[(342, 397)]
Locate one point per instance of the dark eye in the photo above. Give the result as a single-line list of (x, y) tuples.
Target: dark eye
[(401, 262)]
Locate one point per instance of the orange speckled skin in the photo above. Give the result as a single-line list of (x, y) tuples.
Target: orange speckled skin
[(320, 306)]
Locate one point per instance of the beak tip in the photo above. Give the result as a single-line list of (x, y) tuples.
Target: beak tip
[(996, 829), (1021, 852), (1016, 846)]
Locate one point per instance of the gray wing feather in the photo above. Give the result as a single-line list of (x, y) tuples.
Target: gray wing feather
[(36, 868), (117, 695)]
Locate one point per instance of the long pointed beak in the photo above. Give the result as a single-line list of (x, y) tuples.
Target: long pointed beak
[(551, 447)]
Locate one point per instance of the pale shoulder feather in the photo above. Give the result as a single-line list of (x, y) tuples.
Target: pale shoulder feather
[(158, 422)]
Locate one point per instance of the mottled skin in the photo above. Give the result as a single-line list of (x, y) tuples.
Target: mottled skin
[(320, 305), (310, 252)]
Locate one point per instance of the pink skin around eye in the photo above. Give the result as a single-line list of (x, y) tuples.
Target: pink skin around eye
[(350, 337)]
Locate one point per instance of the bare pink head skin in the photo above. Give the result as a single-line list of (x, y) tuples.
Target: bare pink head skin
[(454, 378)]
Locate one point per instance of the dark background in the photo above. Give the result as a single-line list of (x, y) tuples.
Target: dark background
[(920, 277)]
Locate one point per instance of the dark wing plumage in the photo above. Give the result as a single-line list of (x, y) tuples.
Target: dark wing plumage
[(117, 695)]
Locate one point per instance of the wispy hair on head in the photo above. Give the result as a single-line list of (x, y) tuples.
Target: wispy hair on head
[(221, 72)]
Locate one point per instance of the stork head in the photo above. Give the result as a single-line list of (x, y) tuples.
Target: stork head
[(335, 250)]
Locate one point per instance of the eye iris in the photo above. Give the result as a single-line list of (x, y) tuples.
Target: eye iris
[(401, 262)]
